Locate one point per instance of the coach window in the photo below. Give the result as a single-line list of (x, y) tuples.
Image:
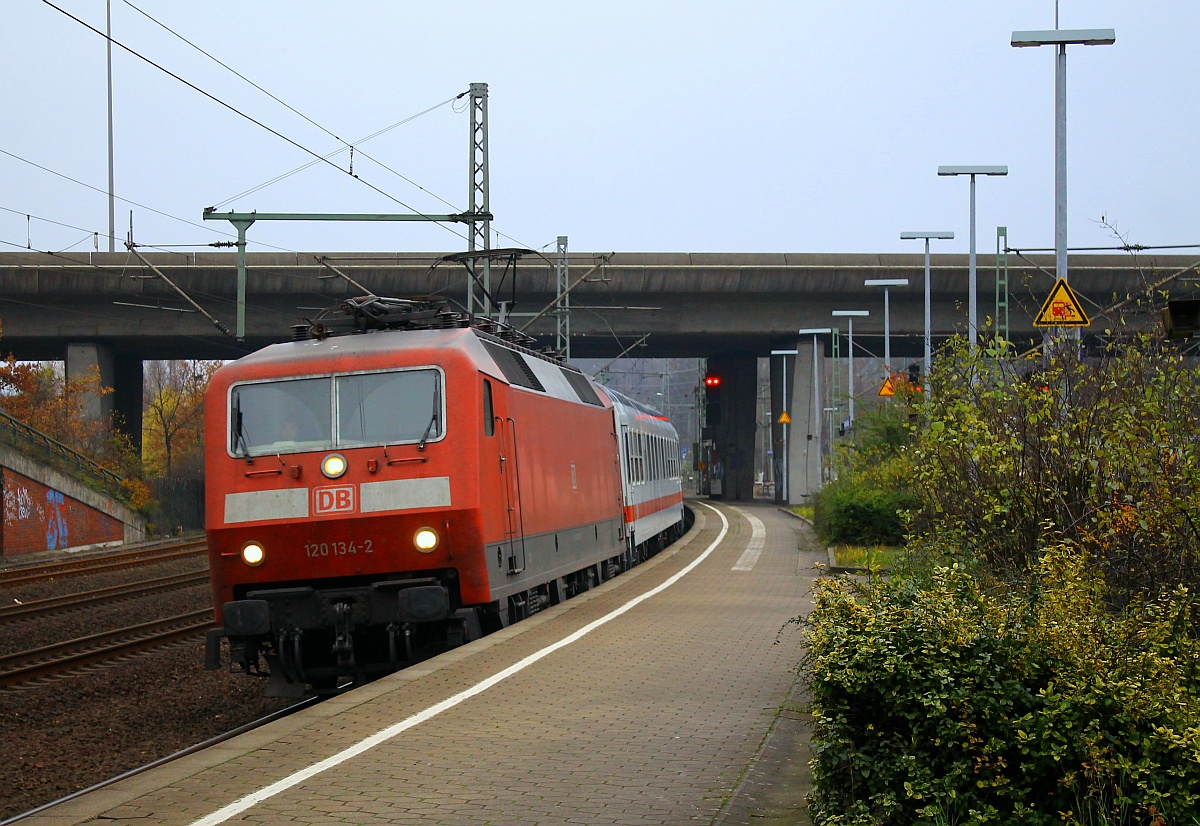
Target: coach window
[(389, 408), (639, 474), (489, 418)]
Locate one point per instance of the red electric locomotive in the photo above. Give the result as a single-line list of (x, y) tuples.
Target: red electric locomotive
[(403, 478)]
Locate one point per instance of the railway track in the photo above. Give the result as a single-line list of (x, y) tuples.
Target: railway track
[(94, 564), (99, 596), (65, 656)]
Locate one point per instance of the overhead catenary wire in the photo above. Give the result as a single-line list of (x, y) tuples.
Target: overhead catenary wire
[(228, 106), (351, 145), (318, 158), (133, 203)]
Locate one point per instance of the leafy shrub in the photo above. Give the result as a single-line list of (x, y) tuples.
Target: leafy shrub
[(855, 511), (866, 504), (938, 702), (1102, 449)]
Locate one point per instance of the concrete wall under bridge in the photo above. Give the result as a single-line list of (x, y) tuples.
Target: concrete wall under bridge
[(46, 510)]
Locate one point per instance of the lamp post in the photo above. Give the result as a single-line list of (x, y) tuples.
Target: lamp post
[(972, 300), (1062, 38), (940, 234), (887, 323), (850, 315), (787, 427)]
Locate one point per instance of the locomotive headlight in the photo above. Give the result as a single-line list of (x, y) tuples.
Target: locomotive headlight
[(333, 465), (252, 554), (426, 540)]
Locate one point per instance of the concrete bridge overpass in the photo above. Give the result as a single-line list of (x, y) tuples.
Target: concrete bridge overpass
[(690, 304), (111, 310)]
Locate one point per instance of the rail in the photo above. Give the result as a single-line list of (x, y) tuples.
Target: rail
[(25, 574), (100, 596), (23, 666)]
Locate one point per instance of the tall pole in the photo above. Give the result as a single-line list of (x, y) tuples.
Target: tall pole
[(479, 237), (887, 313), (787, 442), (1060, 162), (887, 331), (816, 419), (112, 208), (972, 281), (928, 315), (927, 236), (850, 315), (1061, 38), (850, 368), (562, 313)]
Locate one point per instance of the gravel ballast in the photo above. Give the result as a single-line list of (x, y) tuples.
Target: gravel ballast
[(76, 730)]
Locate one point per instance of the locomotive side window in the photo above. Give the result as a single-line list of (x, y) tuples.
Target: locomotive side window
[(387, 408), (280, 417), (489, 417)]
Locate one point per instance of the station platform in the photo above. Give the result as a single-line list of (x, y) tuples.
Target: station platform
[(665, 696)]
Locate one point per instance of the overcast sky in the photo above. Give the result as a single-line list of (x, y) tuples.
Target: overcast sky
[(630, 126)]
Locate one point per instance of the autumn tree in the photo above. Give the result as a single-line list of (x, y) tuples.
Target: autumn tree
[(43, 397), (172, 424)]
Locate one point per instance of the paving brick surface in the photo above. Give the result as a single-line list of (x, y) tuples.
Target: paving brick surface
[(670, 713)]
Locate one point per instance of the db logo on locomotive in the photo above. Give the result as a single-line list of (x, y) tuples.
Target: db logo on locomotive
[(333, 499)]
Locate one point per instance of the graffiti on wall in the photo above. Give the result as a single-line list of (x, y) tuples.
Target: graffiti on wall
[(56, 523), (40, 518), (19, 506)]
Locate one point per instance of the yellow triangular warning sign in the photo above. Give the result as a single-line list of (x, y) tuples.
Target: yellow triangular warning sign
[(888, 388), (1062, 308), (784, 418)]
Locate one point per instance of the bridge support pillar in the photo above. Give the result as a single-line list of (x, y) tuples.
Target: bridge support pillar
[(733, 432), (121, 372)]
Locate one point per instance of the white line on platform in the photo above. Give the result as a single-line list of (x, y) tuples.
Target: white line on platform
[(239, 806), (758, 539)]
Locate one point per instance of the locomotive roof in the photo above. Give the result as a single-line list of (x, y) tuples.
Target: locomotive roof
[(501, 359)]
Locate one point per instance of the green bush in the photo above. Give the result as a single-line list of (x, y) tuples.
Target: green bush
[(867, 502), (853, 511), (1102, 449), (938, 702)]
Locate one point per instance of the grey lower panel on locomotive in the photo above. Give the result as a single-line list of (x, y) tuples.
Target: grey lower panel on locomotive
[(527, 562)]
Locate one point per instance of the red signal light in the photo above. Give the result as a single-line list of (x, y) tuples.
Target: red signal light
[(712, 381)]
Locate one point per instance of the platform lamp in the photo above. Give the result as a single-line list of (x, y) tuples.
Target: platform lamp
[(927, 235), (973, 297), (887, 323), (1062, 38), (850, 315)]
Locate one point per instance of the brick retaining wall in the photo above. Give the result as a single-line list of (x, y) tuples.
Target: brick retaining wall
[(45, 510)]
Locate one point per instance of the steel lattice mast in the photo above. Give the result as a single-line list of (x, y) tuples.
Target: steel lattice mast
[(479, 238), (563, 312)]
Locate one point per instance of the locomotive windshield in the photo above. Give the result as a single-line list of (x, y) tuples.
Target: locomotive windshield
[(349, 410)]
